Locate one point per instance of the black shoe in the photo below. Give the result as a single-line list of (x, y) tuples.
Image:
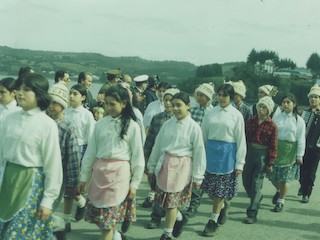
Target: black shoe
[(300, 192), (126, 225), (305, 199), (250, 220), (67, 228), (192, 212), (165, 237), (177, 228), (80, 213), (60, 235), (147, 203), (278, 207), (224, 213), (275, 198), (153, 224), (211, 229)]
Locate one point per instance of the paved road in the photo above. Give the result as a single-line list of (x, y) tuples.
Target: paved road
[(298, 221)]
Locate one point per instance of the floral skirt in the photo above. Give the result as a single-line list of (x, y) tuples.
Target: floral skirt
[(25, 223), (284, 174), (106, 218), (172, 200), (222, 186)]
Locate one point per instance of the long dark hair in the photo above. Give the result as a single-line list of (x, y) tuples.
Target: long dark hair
[(121, 94), (293, 99), (39, 85), (184, 97)]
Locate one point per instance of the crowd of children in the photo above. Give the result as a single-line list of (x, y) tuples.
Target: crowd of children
[(59, 144)]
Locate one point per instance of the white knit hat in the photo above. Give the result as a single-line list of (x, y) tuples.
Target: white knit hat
[(206, 89), (171, 91), (266, 89), (60, 94), (315, 90), (268, 102), (240, 88)]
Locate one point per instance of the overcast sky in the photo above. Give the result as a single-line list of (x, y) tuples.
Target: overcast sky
[(197, 31)]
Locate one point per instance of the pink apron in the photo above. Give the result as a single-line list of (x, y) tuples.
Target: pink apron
[(110, 183), (175, 173)]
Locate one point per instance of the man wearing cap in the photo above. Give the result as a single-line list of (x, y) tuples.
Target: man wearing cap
[(113, 77), (239, 95), (311, 158), (203, 95), (141, 82)]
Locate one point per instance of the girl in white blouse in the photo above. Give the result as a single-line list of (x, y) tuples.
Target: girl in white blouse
[(291, 148), (8, 103), (30, 158), (176, 164), (115, 155), (83, 122)]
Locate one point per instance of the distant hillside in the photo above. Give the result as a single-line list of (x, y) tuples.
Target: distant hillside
[(47, 62)]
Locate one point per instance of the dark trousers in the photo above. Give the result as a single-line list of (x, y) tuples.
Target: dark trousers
[(308, 170), (252, 178)]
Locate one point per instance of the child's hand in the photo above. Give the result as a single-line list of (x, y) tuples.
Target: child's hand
[(43, 213), (196, 186), (81, 187), (238, 172), (132, 193)]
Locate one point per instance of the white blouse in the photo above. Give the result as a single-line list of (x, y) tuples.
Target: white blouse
[(83, 122), (292, 129), (153, 108), (5, 110), (31, 139), (227, 125), (180, 138), (107, 144)]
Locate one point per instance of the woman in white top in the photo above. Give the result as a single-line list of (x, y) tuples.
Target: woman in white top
[(8, 103), (291, 148), (176, 164), (115, 156), (30, 158), (224, 137)]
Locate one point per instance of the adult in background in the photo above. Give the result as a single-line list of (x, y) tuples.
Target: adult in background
[(224, 138), (239, 95), (203, 95), (113, 77), (262, 139), (24, 70), (127, 79), (141, 83), (311, 116), (63, 77), (291, 147), (85, 79), (151, 90)]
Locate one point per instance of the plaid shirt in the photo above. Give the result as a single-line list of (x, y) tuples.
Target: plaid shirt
[(198, 112), (266, 134), (69, 153), (156, 123), (245, 109)]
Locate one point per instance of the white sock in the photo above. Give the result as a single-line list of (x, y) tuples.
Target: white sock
[(116, 235), (179, 216), (280, 200), (151, 195), (168, 231), (81, 202), (67, 218), (215, 217)]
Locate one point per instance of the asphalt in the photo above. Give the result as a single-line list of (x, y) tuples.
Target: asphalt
[(297, 221)]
